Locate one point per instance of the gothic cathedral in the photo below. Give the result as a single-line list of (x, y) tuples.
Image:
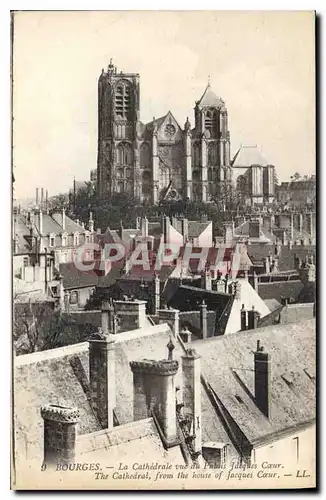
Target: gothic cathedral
[(159, 160)]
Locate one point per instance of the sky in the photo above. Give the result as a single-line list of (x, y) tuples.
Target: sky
[(260, 63)]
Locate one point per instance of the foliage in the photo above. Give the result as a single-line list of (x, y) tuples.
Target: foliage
[(38, 327), (123, 208), (58, 202)]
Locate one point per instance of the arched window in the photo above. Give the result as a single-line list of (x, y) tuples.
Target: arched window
[(130, 186), (119, 187), (212, 154), (211, 120), (127, 155), (164, 176), (146, 182), (196, 192), (124, 154), (196, 154), (210, 175), (196, 175), (123, 105)]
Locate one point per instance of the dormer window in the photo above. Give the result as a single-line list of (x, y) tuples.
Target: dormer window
[(52, 240), (86, 238), (64, 240), (76, 239)]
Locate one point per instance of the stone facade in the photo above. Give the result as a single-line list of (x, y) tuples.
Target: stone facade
[(102, 378), (159, 159)]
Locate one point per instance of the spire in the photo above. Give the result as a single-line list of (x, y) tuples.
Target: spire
[(209, 98), (209, 81)]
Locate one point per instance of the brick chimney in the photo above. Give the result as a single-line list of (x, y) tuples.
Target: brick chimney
[(206, 280), (192, 396), (171, 317), (253, 317), (262, 370), (144, 226), (243, 314), (91, 222), (203, 319), (41, 222), (102, 378), (166, 229), (63, 225), (228, 232), (267, 265), (108, 323), (59, 434), (254, 228), (157, 292), (185, 229), (154, 393), (307, 273), (131, 314)]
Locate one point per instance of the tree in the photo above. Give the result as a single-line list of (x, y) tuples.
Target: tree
[(58, 202), (38, 327)]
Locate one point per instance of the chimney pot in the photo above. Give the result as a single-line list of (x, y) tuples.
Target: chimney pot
[(262, 368), (191, 376), (154, 393), (59, 434)]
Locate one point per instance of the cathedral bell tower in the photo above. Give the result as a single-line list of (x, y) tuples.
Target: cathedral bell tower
[(118, 118), (211, 147)]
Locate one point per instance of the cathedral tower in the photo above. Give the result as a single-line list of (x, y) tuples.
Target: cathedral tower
[(211, 147), (118, 117)]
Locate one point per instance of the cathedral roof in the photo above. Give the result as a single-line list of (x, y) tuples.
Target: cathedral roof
[(209, 98), (158, 121), (247, 156)]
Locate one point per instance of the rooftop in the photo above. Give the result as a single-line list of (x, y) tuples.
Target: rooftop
[(209, 98), (247, 156)]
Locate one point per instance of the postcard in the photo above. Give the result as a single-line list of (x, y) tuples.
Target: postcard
[(164, 250)]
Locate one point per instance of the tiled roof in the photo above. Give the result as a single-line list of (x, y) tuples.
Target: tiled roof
[(265, 235), (191, 320), (228, 362), (277, 290), (189, 298), (42, 379), (195, 228), (49, 224), (76, 278), (293, 313), (272, 304), (247, 156), (286, 257), (209, 98), (21, 230), (129, 443), (70, 225)]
